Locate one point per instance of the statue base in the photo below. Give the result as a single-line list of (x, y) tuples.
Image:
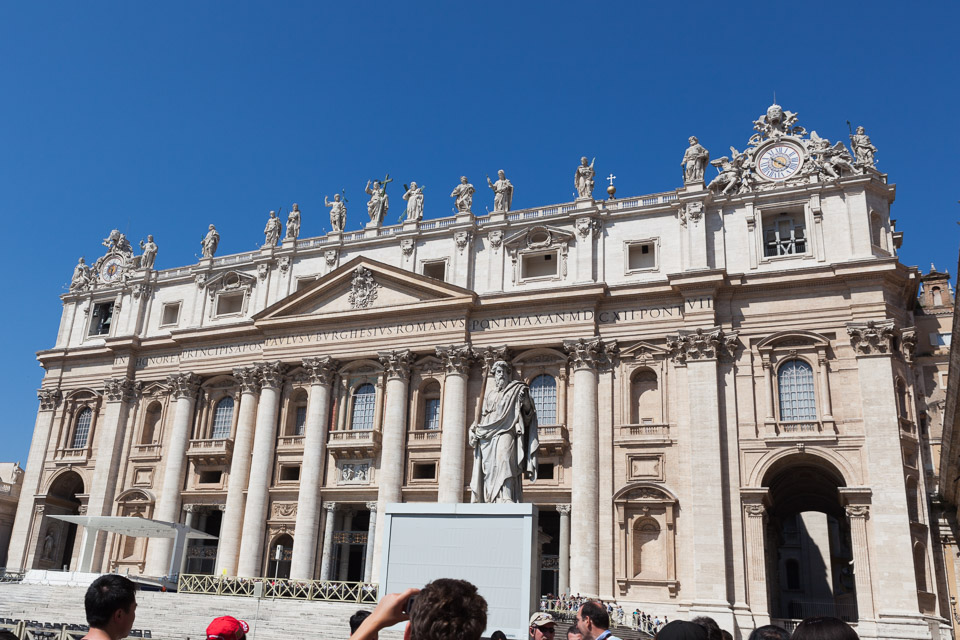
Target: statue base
[(695, 185), (490, 545)]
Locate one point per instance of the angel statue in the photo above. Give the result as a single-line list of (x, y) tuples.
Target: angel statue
[(732, 173)]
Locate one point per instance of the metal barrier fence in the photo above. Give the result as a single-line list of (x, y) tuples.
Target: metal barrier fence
[(318, 590), (26, 630), (566, 612), (7, 575)]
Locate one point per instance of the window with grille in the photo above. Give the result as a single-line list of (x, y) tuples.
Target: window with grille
[(784, 236), (543, 390), (364, 401), (82, 430), (797, 403), (431, 414), (223, 419), (300, 422)]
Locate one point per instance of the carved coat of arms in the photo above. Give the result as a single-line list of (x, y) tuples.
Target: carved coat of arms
[(363, 290)]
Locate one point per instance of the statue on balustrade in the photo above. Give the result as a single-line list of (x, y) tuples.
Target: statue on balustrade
[(694, 162), (414, 197), (272, 231), (502, 192), (504, 440), (209, 243), (293, 223), (338, 212), (463, 194), (583, 178)]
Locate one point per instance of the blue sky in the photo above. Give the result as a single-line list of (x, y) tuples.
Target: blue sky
[(163, 117)]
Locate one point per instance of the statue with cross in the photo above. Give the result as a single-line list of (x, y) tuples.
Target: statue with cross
[(379, 202)]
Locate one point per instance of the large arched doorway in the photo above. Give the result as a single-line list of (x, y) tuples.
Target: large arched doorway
[(56, 543), (281, 553), (808, 547)]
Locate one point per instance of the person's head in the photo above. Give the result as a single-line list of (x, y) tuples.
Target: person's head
[(861, 130), (726, 634), (273, 214), (296, 207), (111, 605), (501, 373), (356, 619), (769, 632), (376, 184), (692, 140), (227, 628), (502, 174), (447, 608), (542, 626), (6, 634), (824, 628), (711, 626), (149, 238), (336, 198), (583, 161), (498, 635), (463, 179), (413, 185), (212, 227), (573, 632), (681, 630), (592, 620), (774, 112)]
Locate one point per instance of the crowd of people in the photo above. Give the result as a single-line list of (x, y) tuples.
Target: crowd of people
[(566, 607), (448, 608)]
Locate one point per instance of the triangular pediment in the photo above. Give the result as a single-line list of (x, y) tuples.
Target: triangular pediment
[(538, 237), (643, 351), (363, 287)]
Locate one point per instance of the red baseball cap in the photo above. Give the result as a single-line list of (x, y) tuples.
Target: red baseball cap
[(227, 628)]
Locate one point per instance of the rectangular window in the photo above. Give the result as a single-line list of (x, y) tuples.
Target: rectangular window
[(545, 471), (303, 283), (431, 418), (540, 265), (784, 235), (102, 317), (230, 304), (940, 339), (436, 270), (424, 470), (300, 425), (290, 473), (170, 315), (210, 477), (641, 256)]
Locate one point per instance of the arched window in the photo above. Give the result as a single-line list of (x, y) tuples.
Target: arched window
[(82, 429), (937, 297), (795, 380), (543, 390), (431, 406), (300, 421), (364, 401), (645, 398), (150, 422), (222, 419)]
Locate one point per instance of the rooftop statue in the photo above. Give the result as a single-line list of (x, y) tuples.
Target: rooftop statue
[(694, 162), (414, 197), (503, 192), (379, 201), (830, 160), (734, 174), (863, 149), (504, 440), (272, 231), (583, 178), (463, 193), (293, 223), (209, 243), (81, 276), (117, 241), (776, 123), (338, 212), (149, 256)]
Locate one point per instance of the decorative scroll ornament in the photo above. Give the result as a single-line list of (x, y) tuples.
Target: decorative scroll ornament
[(692, 211), (908, 343), (456, 358), (396, 363), (184, 385), (489, 355), (564, 509), (872, 337), (591, 353), (496, 239), (49, 398), (284, 510), (586, 226), (331, 257), (701, 344), (755, 510), (271, 374), (462, 238), (363, 289), (284, 264), (857, 510), (118, 389), (406, 247), (249, 381), (321, 370)]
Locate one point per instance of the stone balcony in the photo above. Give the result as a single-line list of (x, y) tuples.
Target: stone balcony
[(290, 444), (360, 443), (645, 432), (212, 451), (72, 456), (554, 439), (146, 451), (424, 439)]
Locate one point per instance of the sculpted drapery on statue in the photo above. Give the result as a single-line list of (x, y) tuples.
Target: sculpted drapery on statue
[(414, 197), (463, 193), (504, 441), (272, 231), (379, 201), (694, 161), (583, 178), (338, 212), (209, 243), (502, 190), (293, 222)]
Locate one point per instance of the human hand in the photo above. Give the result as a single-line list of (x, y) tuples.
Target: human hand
[(389, 611)]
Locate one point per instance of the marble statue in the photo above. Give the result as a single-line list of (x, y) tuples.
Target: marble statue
[(81, 276), (149, 256), (379, 201), (830, 160), (210, 242), (338, 212), (293, 222), (732, 173), (776, 122), (503, 192), (48, 544), (272, 231), (504, 441), (463, 193), (863, 148), (117, 241), (694, 162), (583, 178), (414, 198)]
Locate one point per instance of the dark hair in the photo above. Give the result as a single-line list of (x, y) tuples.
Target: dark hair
[(824, 628), (596, 613), (726, 634), (574, 629), (498, 635), (681, 630), (769, 632), (448, 608), (105, 595), (711, 626), (6, 634), (357, 619)]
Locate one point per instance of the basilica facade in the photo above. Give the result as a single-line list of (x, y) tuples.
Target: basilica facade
[(735, 382)]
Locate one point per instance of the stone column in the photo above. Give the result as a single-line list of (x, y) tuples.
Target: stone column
[(584, 498), (344, 558), (827, 413), (42, 430), (768, 388), (119, 394), (321, 372), (564, 560), (392, 452), (184, 387), (190, 509), (229, 546), (755, 523), (371, 538), (264, 443), (858, 513), (326, 555), (456, 362)]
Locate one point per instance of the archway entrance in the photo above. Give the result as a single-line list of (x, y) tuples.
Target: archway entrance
[(808, 548), (280, 568), (56, 543)]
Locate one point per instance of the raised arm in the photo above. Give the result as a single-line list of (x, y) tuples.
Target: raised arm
[(390, 611)]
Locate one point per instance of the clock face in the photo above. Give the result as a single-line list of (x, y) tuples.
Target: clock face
[(779, 162), (111, 269)]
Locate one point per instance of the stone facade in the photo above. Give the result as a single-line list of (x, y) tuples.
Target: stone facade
[(726, 376), (11, 477)]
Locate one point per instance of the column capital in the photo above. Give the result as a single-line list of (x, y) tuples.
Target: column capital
[(490, 354), (248, 378), (701, 344), (372, 506), (118, 389), (908, 343), (456, 359), (271, 374), (755, 510), (49, 398), (873, 337), (330, 506), (564, 509), (184, 385), (591, 353), (396, 363), (321, 370), (857, 510)]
